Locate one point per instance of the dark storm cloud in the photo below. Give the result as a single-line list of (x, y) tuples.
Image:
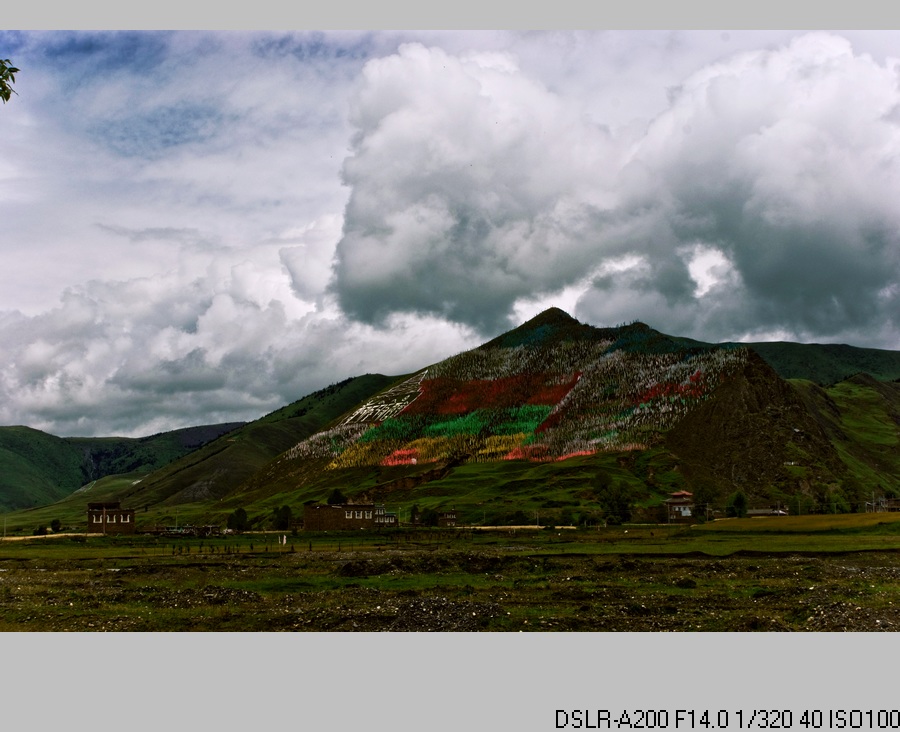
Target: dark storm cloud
[(474, 187), (191, 373), (465, 189), (785, 162)]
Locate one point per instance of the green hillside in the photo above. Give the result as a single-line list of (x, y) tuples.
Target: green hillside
[(860, 417), (37, 468), (828, 363), (493, 431), (822, 363), (218, 468)]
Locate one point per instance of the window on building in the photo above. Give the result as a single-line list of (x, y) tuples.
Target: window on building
[(110, 518), (359, 514), (368, 514), (348, 514), (126, 518), (98, 519)]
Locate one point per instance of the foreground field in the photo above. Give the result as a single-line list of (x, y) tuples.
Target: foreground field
[(839, 573)]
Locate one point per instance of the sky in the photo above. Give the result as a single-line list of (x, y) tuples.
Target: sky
[(200, 227)]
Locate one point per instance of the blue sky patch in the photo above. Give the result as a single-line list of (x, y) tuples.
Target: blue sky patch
[(152, 133)]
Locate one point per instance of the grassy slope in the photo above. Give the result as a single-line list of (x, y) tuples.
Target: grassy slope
[(217, 469), (114, 455), (747, 434), (37, 468), (186, 488), (71, 510), (861, 417), (821, 363), (557, 492), (830, 363)]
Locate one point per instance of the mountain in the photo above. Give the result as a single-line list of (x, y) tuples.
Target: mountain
[(828, 364), (558, 419), (217, 469), (37, 468), (627, 404)]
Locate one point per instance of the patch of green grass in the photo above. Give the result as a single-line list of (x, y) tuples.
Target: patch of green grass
[(803, 525)]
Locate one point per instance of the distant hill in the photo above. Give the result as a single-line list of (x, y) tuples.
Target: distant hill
[(828, 364), (37, 468), (824, 364)]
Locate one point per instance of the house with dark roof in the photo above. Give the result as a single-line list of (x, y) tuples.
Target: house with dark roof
[(680, 506), (108, 517), (347, 516)]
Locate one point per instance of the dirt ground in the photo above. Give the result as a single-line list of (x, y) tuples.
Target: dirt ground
[(445, 589)]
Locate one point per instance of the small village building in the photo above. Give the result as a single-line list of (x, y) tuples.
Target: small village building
[(447, 518), (436, 518), (680, 506), (347, 516), (108, 517)]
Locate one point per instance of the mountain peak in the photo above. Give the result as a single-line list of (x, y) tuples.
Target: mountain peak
[(550, 316), (550, 325)]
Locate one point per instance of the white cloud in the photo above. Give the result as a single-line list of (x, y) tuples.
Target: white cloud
[(234, 220), (762, 162)]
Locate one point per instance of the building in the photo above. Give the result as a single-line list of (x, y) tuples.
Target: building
[(108, 517), (347, 516), (680, 506), (447, 518), (431, 517)]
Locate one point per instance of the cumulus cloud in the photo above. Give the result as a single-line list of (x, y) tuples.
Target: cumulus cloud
[(784, 165), (158, 353), (307, 256), (474, 188), (469, 182)]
